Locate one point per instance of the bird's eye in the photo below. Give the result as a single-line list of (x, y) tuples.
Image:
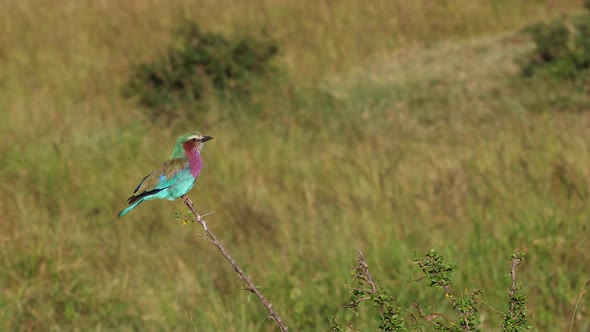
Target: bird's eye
[(193, 139)]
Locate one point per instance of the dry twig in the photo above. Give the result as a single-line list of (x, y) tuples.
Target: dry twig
[(582, 292), (251, 287), (513, 290)]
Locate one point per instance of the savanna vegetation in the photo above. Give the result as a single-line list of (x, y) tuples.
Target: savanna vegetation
[(393, 128)]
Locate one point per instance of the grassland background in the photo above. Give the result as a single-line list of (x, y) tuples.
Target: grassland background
[(409, 129)]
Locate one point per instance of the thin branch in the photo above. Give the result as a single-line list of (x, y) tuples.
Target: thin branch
[(251, 287), (363, 273), (494, 309), (365, 270), (356, 302), (516, 317), (515, 261), (453, 300), (431, 318), (582, 292)]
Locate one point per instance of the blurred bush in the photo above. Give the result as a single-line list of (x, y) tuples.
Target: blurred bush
[(201, 65), (562, 48)]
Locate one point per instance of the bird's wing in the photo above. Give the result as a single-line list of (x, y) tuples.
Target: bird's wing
[(160, 179)]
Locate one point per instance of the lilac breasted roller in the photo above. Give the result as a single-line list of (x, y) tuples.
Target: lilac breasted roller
[(176, 176)]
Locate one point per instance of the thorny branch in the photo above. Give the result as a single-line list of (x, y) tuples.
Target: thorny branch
[(361, 272), (251, 287), (513, 290), (365, 273)]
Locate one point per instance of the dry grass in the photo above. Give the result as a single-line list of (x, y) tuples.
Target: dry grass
[(427, 138)]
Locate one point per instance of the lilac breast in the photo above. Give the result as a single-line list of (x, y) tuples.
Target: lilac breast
[(194, 163)]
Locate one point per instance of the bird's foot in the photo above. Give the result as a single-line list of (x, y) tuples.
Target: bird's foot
[(186, 200)]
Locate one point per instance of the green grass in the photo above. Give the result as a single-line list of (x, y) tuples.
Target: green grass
[(402, 128)]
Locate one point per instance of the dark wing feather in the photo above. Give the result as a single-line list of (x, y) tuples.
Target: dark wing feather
[(141, 182), (134, 198)]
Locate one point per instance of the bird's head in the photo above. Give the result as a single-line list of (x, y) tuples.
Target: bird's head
[(189, 143)]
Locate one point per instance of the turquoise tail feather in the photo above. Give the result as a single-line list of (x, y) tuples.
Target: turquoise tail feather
[(129, 208)]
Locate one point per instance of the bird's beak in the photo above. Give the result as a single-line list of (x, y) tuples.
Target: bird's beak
[(206, 138)]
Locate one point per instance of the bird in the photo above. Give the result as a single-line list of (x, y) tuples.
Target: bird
[(176, 176)]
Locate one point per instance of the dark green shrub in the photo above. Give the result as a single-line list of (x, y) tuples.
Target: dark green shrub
[(201, 63), (562, 48)]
